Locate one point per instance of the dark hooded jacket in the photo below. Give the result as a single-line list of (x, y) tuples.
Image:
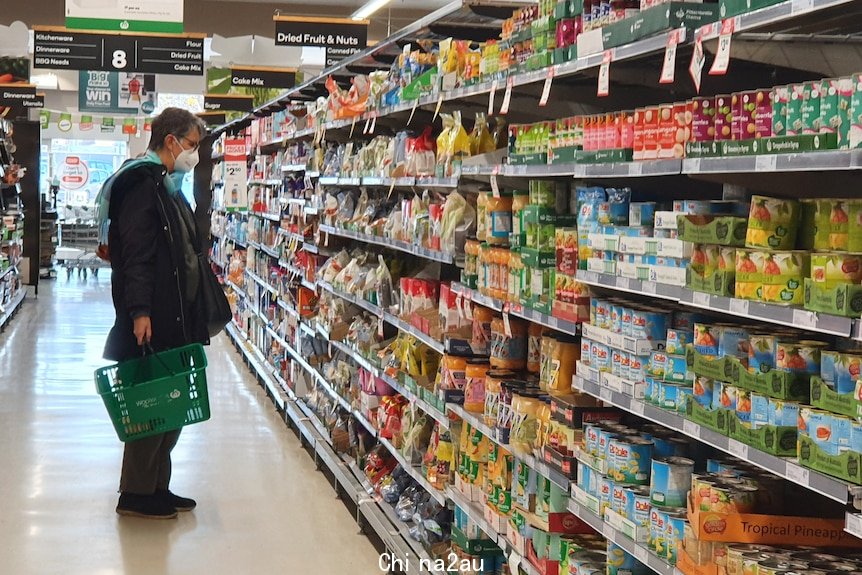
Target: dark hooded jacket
[(147, 257)]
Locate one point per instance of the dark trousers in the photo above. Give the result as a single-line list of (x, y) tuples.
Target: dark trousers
[(147, 463)]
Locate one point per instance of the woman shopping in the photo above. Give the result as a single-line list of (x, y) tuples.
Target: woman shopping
[(148, 231)]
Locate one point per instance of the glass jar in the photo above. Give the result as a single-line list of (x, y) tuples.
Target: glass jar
[(516, 268), (499, 219), (534, 348), (493, 391), (482, 216), (484, 268), (481, 341), (509, 352), (471, 262), (474, 390), (453, 372), (520, 200)]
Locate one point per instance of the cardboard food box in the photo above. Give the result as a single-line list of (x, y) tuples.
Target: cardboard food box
[(768, 529), (776, 440), (657, 19), (721, 283), (715, 419), (844, 300), (824, 397), (713, 230)]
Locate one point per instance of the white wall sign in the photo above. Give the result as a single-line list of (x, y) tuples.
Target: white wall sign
[(130, 15)]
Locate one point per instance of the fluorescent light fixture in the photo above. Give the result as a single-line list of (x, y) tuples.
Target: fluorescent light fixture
[(368, 9)]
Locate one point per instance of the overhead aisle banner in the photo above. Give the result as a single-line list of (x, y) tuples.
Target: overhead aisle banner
[(342, 37), (228, 103), (258, 77), (120, 93), (126, 15), (62, 49)]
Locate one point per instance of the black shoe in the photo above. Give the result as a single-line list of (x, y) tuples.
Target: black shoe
[(175, 501), (145, 506)]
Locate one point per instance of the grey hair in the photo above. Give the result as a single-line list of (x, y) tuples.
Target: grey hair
[(176, 122)]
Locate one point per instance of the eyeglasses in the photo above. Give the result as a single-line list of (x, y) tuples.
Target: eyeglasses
[(195, 144)]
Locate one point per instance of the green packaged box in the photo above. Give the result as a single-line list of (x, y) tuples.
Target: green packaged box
[(728, 8), (844, 300), (776, 384), (780, 98), (726, 368), (540, 227), (810, 113), (824, 397), (709, 149), (479, 547), (776, 440), (567, 155), (657, 19), (835, 96), (846, 466), (714, 230), (793, 112), (604, 156), (528, 159), (714, 419), (568, 9), (533, 258), (721, 283)]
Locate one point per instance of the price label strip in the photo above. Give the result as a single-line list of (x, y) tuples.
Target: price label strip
[(722, 55), (507, 96), (698, 59), (604, 87), (668, 69)]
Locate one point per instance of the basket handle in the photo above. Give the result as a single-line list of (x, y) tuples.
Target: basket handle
[(146, 349)]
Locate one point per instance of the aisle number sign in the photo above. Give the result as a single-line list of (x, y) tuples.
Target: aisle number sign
[(62, 49), (131, 15), (235, 187)]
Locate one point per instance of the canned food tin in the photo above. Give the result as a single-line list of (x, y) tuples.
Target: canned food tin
[(671, 477), (630, 459)]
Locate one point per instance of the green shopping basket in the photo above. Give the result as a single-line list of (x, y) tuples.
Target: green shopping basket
[(156, 393)]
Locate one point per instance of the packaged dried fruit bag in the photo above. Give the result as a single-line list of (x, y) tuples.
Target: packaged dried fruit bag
[(772, 223)]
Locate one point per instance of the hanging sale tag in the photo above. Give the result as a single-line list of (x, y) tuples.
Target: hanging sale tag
[(391, 188), (352, 125), (507, 327), (546, 90), (367, 124), (380, 327), (373, 124), (605, 74), (413, 111), (495, 185), (695, 68), (722, 55), (459, 306), (491, 98), (507, 96), (439, 105), (668, 69)]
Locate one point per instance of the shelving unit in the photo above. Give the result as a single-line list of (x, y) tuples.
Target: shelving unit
[(633, 65)]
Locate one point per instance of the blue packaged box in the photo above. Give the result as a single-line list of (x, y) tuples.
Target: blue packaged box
[(677, 339), (676, 370), (783, 413), (759, 409)]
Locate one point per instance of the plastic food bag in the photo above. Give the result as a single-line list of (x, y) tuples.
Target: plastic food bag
[(481, 139), (420, 155), (458, 222)]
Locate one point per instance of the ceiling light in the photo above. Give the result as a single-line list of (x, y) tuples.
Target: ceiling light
[(368, 9)]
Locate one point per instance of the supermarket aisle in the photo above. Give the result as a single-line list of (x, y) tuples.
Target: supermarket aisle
[(262, 507)]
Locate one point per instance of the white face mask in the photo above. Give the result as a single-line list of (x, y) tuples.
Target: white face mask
[(187, 159)]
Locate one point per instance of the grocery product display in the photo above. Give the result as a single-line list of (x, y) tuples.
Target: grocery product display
[(12, 291), (569, 335)]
